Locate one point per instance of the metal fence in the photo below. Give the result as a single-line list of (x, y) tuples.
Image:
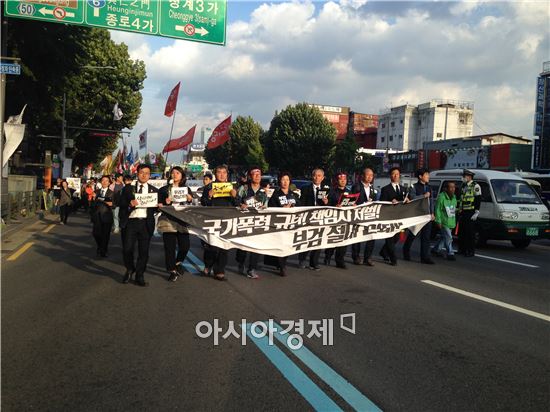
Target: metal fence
[(19, 205)]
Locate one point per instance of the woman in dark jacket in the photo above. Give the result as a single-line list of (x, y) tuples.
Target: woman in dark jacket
[(284, 197), (172, 231), (65, 202)]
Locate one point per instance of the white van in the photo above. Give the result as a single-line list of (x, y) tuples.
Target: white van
[(510, 208)]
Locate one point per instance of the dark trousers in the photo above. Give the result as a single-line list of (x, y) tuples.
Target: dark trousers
[(136, 231), (466, 233), (338, 252), (64, 213), (252, 261), (313, 257), (356, 250), (424, 235), (215, 258), (170, 242), (102, 234), (282, 262), (388, 249)]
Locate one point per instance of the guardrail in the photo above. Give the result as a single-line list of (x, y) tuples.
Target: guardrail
[(19, 205)]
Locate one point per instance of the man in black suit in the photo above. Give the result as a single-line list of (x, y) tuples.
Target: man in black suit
[(138, 224), (367, 193), (102, 216), (315, 194), (395, 193)]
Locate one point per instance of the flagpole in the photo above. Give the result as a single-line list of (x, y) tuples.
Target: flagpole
[(170, 139)]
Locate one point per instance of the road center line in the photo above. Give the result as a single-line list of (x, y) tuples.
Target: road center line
[(22, 250), (489, 300), (507, 261), (341, 386), (50, 227), (301, 382)]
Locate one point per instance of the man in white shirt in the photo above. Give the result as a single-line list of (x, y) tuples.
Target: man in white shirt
[(138, 224)]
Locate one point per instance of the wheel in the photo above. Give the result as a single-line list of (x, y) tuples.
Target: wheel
[(521, 243)]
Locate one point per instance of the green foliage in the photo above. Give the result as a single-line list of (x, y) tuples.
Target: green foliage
[(244, 149), (59, 59), (299, 140), (344, 159)]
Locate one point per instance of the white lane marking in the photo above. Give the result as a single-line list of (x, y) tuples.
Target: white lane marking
[(489, 300), (507, 261)]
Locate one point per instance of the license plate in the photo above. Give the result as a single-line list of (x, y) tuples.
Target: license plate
[(532, 231)]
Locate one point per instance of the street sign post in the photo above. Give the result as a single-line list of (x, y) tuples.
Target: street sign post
[(196, 20)]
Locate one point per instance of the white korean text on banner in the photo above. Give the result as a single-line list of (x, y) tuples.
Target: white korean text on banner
[(286, 231)]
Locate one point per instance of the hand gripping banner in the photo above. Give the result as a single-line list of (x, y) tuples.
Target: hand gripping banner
[(286, 231)]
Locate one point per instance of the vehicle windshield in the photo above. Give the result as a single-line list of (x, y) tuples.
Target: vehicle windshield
[(514, 191)]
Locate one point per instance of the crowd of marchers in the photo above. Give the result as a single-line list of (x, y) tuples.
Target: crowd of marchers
[(113, 208)]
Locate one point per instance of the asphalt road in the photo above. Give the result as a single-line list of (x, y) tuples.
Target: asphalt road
[(75, 338)]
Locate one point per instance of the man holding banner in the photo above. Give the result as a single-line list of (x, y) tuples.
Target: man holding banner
[(367, 193), (218, 193), (339, 196), (137, 219)]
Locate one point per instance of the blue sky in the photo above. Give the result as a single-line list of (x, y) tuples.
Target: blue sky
[(366, 55)]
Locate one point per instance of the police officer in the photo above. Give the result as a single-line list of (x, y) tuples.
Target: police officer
[(334, 199), (416, 191), (251, 195), (468, 209)]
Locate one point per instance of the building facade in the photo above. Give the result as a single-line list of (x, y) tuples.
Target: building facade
[(408, 127), (364, 128), (541, 155), (338, 116)]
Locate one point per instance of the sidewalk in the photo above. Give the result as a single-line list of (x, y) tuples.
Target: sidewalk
[(18, 232)]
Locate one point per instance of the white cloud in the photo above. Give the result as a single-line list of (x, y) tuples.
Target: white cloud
[(347, 54)]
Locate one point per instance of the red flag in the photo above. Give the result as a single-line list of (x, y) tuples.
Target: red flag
[(220, 135), (180, 142), (172, 101)]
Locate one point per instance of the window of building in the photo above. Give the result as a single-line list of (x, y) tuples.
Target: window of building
[(391, 138), (392, 124), (382, 139), (383, 125), (439, 135), (401, 121), (419, 122), (401, 136)]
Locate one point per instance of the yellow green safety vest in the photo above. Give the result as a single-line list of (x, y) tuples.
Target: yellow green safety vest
[(468, 196)]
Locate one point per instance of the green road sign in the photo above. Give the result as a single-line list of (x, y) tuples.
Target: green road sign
[(70, 11), (196, 20)]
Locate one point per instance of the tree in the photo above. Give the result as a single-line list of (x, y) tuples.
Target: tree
[(299, 139), (345, 153), (243, 149), (246, 148), (62, 59)]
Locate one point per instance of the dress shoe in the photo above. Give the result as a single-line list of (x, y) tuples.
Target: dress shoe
[(127, 276), (356, 261), (173, 276), (141, 282), (369, 262), (427, 261)]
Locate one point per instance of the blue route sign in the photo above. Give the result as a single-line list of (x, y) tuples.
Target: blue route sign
[(10, 68)]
